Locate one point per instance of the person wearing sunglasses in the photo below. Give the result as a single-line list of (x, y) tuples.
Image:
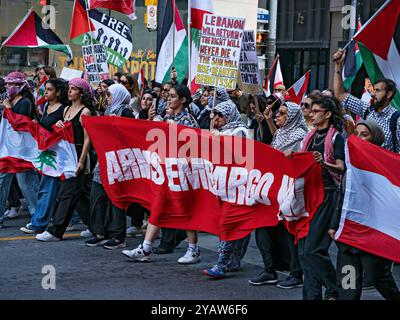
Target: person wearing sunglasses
[(131, 84), (163, 102), (306, 108)]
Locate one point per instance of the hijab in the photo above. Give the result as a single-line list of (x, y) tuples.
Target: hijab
[(231, 113), (293, 131), (377, 134), (119, 96)]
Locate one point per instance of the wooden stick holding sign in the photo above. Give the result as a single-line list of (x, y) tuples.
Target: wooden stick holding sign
[(257, 104)]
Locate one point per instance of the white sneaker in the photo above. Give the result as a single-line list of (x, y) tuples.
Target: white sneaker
[(73, 227), (87, 234), (190, 257), (134, 232), (46, 236), (14, 213), (137, 254)]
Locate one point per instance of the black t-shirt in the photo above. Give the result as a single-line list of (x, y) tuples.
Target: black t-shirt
[(318, 144), (49, 119), (24, 107)]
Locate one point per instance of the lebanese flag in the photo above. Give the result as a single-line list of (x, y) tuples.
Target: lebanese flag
[(274, 77), (299, 89), (25, 145), (379, 43), (124, 6), (31, 34), (141, 81), (172, 45), (197, 11), (370, 219), (40, 92), (205, 182)]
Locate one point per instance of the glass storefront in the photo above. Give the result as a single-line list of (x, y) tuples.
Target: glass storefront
[(144, 42)]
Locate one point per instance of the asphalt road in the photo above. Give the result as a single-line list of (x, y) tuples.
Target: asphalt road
[(96, 273)]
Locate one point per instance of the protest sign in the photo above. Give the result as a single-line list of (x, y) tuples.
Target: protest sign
[(249, 79), (95, 61), (68, 73), (220, 44)]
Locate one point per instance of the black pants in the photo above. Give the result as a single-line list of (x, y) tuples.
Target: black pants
[(106, 219), (273, 245), (170, 238), (136, 212), (313, 252), (14, 194), (83, 204), (377, 270), (71, 191)]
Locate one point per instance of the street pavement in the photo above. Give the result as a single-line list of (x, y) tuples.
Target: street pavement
[(97, 273)]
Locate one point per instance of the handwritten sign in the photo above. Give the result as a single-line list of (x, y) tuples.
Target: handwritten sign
[(220, 44), (249, 79), (95, 62)]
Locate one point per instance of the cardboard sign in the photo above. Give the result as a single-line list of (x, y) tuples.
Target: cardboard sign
[(249, 79), (219, 52), (95, 62), (69, 74)]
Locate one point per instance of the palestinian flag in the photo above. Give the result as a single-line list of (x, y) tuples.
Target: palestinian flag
[(353, 62), (172, 45), (299, 89), (274, 77), (26, 145), (197, 11), (40, 92), (31, 34), (379, 43), (114, 34)]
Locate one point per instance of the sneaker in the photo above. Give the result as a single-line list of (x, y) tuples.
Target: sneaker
[(73, 227), (114, 244), (14, 213), (30, 230), (47, 237), (134, 232), (95, 242), (215, 272), (87, 234), (137, 254), (290, 283), (264, 278), (190, 257)]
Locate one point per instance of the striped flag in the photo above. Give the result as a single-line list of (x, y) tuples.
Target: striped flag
[(198, 9), (370, 219), (274, 77), (124, 6), (352, 63), (141, 81), (299, 89), (26, 145), (172, 45), (31, 34), (40, 92), (379, 43)]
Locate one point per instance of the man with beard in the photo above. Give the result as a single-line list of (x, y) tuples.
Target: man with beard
[(379, 109)]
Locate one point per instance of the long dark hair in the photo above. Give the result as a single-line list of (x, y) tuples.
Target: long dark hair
[(27, 93), (87, 100), (332, 105), (183, 92), (61, 88)]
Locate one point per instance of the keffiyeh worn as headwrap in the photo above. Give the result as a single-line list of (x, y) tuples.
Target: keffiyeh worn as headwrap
[(231, 114), (222, 96), (294, 130)]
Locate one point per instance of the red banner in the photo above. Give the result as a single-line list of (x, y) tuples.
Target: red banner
[(191, 179)]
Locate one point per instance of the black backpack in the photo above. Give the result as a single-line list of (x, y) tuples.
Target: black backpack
[(393, 125)]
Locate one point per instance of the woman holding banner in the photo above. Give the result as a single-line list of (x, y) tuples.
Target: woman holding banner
[(178, 100), (276, 245), (72, 189), (226, 120)]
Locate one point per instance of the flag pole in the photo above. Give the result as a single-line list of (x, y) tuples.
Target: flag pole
[(173, 32), (90, 34), (189, 43)]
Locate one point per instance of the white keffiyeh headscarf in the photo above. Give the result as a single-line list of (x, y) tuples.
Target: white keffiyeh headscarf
[(231, 113), (293, 131), (119, 96)]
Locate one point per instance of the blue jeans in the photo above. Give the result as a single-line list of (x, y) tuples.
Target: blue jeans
[(28, 182), (48, 190), (231, 252)]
